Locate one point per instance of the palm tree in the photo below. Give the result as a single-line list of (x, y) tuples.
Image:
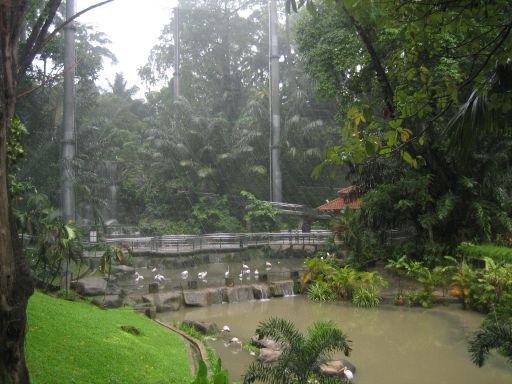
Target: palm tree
[(488, 337), (302, 354)]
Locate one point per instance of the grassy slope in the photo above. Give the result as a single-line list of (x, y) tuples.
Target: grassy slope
[(74, 342)]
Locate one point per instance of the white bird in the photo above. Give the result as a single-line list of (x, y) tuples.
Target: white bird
[(256, 273), (235, 340), (267, 264), (226, 274), (153, 270), (226, 329), (348, 374), (184, 275), (245, 266), (202, 275), (247, 272), (138, 277), (159, 277)]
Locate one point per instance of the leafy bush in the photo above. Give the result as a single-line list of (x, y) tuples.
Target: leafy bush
[(219, 375), (484, 289), (471, 251), (260, 216), (320, 291), (422, 298), (364, 297), (213, 215)]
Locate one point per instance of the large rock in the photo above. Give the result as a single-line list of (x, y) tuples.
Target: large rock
[(91, 286), (334, 368), (165, 301), (237, 294), (203, 297), (281, 288), (260, 291), (268, 355), (108, 301), (201, 326), (266, 343), (169, 301)]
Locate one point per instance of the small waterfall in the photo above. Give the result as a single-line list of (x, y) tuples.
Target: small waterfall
[(288, 288), (261, 292)]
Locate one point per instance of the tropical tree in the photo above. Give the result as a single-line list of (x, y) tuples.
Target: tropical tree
[(302, 354), (20, 42)]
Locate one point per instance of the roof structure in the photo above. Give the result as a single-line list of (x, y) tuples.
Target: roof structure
[(348, 197)]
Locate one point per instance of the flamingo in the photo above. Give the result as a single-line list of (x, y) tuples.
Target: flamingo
[(184, 275), (159, 278), (235, 340), (138, 277), (202, 275)]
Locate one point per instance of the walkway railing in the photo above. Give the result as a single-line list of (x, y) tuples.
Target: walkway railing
[(227, 241)]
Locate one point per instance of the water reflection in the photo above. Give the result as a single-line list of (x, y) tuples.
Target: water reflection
[(395, 345)]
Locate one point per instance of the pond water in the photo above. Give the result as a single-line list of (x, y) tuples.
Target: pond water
[(391, 345)]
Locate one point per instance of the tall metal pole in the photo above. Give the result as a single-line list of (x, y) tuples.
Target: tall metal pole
[(68, 129), (275, 103), (176, 52)]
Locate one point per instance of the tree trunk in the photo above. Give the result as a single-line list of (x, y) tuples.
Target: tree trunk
[(16, 284)]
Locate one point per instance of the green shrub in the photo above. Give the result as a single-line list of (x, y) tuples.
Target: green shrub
[(364, 297), (320, 291), (422, 298), (471, 251)]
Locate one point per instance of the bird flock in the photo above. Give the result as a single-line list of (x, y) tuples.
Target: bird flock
[(245, 272)]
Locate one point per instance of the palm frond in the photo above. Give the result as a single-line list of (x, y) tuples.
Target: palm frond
[(490, 337), (280, 330)]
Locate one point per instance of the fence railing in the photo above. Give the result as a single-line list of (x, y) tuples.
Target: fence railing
[(191, 243)]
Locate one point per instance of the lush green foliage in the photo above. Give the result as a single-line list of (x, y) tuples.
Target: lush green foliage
[(177, 165), (421, 89), (496, 336), (62, 333), (438, 277), (219, 375), (326, 281), (320, 291), (301, 355), (260, 216), (51, 242), (484, 289), (471, 251), (213, 215), (365, 297)]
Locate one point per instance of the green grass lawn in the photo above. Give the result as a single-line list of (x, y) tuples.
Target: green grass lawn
[(75, 342)]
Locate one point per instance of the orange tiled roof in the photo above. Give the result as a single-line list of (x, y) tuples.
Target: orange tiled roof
[(339, 203), (347, 190)]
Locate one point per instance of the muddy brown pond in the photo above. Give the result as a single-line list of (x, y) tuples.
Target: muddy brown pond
[(390, 345)]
